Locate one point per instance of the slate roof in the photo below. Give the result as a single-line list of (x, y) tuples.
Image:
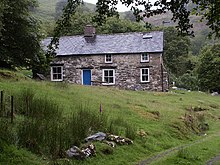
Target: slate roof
[(110, 44)]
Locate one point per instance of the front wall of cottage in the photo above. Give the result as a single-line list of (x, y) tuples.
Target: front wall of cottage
[(127, 70)]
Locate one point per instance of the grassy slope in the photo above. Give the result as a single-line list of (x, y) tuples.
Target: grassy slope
[(11, 155), (135, 107), (47, 8)]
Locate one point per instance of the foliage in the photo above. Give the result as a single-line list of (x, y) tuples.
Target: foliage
[(77, 24), (208, 9), (10, 154), (44, 130), (2, 6), (199, 41), (130, 16), (120, 107), (188, 81), (83, 8), (64, 21), (116, 25), (176, 52), (209, 68), (20, 40)]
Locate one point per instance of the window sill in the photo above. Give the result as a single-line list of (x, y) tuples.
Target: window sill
[(145, 61), (144, 82), (56, 80), (105, 84)]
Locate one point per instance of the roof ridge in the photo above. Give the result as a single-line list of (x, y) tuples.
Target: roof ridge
[(81, 35)]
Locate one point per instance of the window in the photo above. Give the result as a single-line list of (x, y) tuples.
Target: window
[(57, 73), (108, 58), (144, 74), (144, 57), (108, 76)]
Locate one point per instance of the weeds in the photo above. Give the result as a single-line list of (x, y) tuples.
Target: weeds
[(120, 126), (44, 130), (187, 155)]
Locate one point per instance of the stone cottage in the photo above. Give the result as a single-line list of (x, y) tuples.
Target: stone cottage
[(124, 60)]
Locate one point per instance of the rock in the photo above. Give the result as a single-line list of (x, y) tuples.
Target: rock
[(74, 152), (215, 94), (112, 144), (85, 152), (96, 137), (89, 150), (119, 140), (40, 76)]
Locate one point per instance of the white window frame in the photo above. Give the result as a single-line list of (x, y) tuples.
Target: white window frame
[(103, 76), (142, 57), (148, 75), (106, 59), (52, 74)]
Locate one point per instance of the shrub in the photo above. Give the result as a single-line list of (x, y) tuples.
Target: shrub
[(130, 131), (39, 131), (7, 133), (187, 81), (120, 126), (187, 155), (106, 150), (23, 100)]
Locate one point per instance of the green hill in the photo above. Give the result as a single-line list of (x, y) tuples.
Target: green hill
[(48, 10), (156, 121)]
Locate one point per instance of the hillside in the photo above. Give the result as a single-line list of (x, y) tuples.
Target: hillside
[(160, 121), (48, 10), (158, 20)]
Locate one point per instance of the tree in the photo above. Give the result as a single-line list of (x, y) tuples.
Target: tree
[(129, 15), (116, 25), (209, 69), (2, 7), (77, 23), (176, 52), (210, 10), (20, 40)]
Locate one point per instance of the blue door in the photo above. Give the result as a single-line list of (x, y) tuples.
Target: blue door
[(86, 77)]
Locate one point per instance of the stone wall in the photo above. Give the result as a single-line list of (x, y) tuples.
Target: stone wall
[(127, 70)]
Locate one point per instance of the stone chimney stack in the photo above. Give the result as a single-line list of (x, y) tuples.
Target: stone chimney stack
[(89, 31)]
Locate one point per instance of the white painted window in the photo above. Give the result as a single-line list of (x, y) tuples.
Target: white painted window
[(108, 58), (144, 57), (144, 75), (108, 76), (57, 73)]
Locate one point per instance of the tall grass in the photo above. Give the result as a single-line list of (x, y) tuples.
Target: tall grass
[(44, 130)]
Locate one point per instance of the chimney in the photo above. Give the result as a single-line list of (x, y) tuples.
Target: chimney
[(89, 31)]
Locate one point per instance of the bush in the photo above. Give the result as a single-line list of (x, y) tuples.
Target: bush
[(44, 130), (7, 133), (39, 131), (107, 150), (187, 155), (187, 81), (119, 126)]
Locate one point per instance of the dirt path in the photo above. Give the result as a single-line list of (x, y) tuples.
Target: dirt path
[(214, 160), (175, 149)]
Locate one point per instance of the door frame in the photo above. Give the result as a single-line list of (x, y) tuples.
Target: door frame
[(90, 75)]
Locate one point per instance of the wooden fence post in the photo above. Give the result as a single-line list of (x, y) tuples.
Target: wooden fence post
[(12, 108), (2, 98)]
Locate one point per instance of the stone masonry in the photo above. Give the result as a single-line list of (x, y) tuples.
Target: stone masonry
[(127, 70)]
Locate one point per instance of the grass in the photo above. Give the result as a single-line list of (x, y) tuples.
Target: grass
[(159, 115), (46, 9), (12, 155), (196, 154)]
